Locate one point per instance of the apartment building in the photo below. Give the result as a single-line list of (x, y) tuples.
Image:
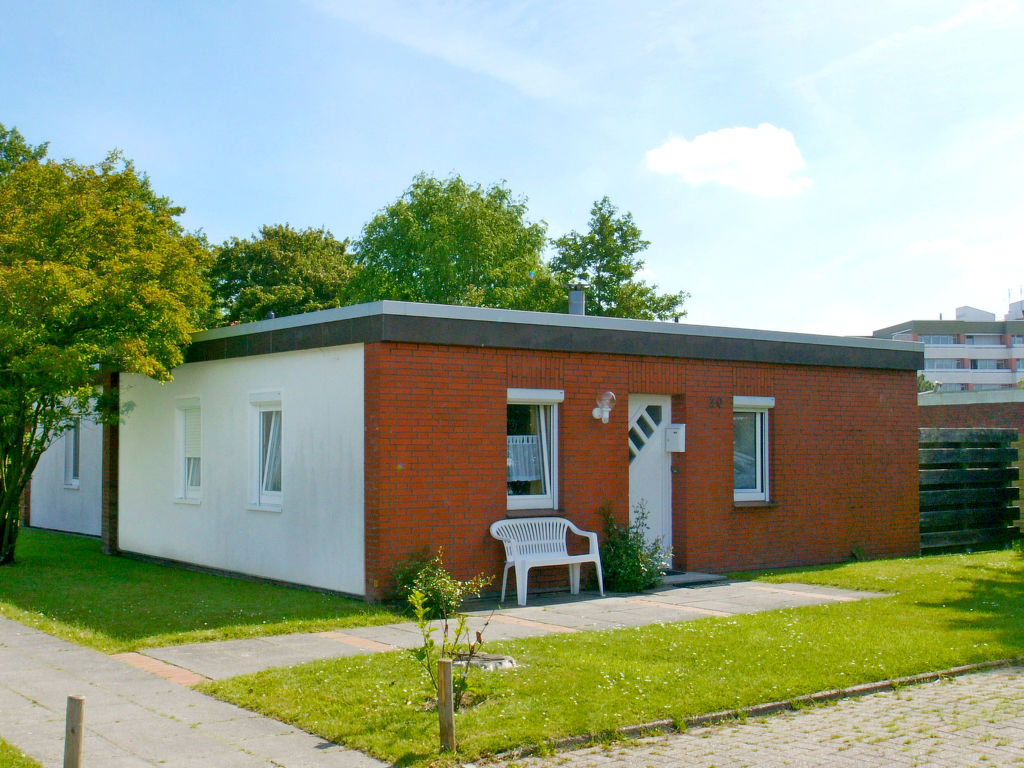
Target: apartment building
[(971, 353)]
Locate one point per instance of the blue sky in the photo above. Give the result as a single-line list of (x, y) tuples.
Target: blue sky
[(806, 165)]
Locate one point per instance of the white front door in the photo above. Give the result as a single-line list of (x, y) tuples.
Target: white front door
[(650, 465)]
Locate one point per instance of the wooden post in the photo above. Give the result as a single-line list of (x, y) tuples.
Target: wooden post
[(73, 732), (446, 704)]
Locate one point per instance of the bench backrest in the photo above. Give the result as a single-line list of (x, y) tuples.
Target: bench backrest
[(534, 535)]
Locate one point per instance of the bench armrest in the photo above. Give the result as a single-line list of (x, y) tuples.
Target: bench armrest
[(589, 535)]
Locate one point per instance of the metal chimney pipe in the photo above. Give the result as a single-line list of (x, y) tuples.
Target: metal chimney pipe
[(577, 298)]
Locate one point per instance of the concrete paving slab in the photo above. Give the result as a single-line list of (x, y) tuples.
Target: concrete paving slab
[(228, 658), (138, 720)]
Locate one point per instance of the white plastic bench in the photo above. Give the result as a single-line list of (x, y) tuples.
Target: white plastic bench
[(531, 542)]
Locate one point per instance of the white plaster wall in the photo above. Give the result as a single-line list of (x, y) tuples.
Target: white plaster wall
[(316, 538), (78, 510)]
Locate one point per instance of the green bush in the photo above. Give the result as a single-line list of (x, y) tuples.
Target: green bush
[(629, 562), (443, 593)]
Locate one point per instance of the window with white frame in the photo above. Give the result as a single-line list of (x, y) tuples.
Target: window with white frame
[(531, 417), (189, 454), (73, 454), (750, 447), (266, 481)]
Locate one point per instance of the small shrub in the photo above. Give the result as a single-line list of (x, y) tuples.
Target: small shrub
[(443, 594), (455, 645), (629, 562)]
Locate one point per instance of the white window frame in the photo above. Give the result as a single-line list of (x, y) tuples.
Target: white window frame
[(549, 400), (183, 492), (760, 406), (259, 497), (73, 455)]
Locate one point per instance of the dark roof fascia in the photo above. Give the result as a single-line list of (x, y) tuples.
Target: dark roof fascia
[(390, 321)]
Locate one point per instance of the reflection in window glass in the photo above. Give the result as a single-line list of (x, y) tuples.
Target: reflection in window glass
[(529, 448), (270, 452), (744, 461)]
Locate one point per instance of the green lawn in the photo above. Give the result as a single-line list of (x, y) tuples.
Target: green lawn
[(66, 586), (12, 757), (945, 611)]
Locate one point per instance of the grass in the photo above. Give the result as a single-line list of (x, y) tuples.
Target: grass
[(12, 757), (945, 611), (66, 586)]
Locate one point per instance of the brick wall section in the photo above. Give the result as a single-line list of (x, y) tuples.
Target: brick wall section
[(968, 415), (843, 445)]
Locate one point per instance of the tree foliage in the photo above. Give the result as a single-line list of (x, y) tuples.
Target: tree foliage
[(605, 258), (448, 242), (95, 272), (281, 270), (14, 150)]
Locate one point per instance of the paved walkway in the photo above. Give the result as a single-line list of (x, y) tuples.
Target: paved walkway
[(974, 720), (135, 718), (543, 615)]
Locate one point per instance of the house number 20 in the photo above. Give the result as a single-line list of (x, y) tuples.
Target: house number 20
[(715, 402)]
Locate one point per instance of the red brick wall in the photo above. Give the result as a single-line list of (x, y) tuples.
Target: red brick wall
[(843, 455), (968, 415)]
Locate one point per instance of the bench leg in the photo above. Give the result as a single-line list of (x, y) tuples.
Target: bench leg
[(522, 575), (504, 581), (574, 578)]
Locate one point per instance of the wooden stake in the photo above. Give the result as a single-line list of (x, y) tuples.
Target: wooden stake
[(446, 704), (73, 732)]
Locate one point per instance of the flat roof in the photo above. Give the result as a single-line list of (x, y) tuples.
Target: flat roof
[(401, 321), (952, 326)]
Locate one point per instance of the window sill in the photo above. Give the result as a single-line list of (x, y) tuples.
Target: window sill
[(71, 486), (536, 512), (758, 504), (192, 502), (264, 508)]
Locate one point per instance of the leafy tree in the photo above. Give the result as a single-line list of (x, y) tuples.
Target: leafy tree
[(449, 242), (95, 273), (923, 385), (605, 258), (281, 270), (14, 150)]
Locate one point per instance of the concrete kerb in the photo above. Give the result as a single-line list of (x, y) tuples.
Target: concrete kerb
[(758, 710)]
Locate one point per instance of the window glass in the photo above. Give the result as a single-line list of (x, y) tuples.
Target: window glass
[(528, 449), (750, 448), (191, 452), (531, 419), (270, 452), (73, 454), (745, 450)]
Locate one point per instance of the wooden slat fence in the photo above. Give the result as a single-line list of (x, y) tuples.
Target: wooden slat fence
[(970, 484)]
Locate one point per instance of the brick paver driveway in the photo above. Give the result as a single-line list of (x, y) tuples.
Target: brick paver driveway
[(975, 720)]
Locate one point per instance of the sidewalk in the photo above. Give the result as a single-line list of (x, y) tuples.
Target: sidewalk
[(135, 718), (543, 615)]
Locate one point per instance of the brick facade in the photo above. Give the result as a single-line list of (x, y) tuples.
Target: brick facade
[(1008, 415), (843, 455)]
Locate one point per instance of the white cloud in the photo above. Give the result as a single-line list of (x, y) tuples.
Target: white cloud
[(475, 38), (991, 11), (763, 161)]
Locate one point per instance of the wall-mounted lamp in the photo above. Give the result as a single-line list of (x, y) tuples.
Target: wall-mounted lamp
[(605, 403)]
